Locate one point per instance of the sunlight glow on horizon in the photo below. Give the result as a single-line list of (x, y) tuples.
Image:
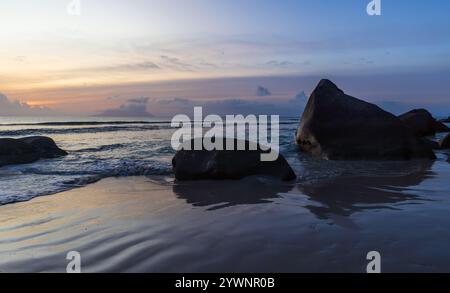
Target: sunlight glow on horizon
[(57, 60)]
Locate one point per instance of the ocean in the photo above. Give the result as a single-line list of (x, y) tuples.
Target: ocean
[(116, 147)]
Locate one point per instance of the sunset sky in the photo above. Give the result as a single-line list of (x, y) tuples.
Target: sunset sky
[(175, 53)]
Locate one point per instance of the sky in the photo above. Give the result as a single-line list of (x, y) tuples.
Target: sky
[(228, 55)]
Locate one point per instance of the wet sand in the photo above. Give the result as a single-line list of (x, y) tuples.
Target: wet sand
[(138, 224)]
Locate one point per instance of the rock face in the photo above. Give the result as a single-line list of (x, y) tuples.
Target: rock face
[(445, 142), (431, 143), (336, 126), (441, 127), (28, 150), (422, 122), (224, 164)]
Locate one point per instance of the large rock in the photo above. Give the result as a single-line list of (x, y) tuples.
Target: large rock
[(28, 150), (445, 142), (224, 164), (45, 147), (431, 143), (422, 122), (336, 126), (441, 127)]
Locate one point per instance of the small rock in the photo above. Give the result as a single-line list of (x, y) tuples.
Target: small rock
[(28, 150)]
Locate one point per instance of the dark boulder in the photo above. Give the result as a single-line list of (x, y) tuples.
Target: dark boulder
[(45, 147), (336, 126), (441, 127), (227, 164), (422, 122), (27, 150), (13, 151), (445, 142), (431, 143)]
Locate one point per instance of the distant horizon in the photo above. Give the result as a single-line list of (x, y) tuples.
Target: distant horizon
[(284, 104)]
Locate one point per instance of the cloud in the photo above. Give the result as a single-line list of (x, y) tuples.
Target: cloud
[(175, 63), (239, 106), (113, 97), (134, 107), (129, 67), (263, 92), (233, 106), (136, 66), (276, 63), (300, 98), (220, 107), (20, 59), (175, 102), (16, 108)]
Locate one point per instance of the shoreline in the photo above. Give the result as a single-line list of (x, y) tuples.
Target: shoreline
[(135, 224)]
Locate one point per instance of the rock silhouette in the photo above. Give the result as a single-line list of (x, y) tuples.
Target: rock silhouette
[(28, 150), (227, 164), (336, 126), (422, 123)]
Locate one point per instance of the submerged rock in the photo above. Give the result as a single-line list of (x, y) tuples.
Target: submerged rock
[(445, 142), (336, 126), (224, 164), (422, 122), (28, 150)]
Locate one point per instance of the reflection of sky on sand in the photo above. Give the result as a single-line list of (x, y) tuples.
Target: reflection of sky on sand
[(222, 194), (253, 225), (337, 196), (360, 187), (343, 196)]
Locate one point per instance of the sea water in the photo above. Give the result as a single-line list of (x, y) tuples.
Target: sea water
[(118, 147)]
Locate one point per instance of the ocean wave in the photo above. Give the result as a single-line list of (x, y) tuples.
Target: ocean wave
[(105, 168), (84, 123), (99, 123), (103, 148), (80, 130), (47, 178)]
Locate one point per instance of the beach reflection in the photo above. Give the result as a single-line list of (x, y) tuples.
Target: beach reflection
[(221, 194), (335, 198), (342, 196)]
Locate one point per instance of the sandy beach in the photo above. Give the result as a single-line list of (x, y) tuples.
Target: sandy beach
[(217, 137), (138, 224)]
